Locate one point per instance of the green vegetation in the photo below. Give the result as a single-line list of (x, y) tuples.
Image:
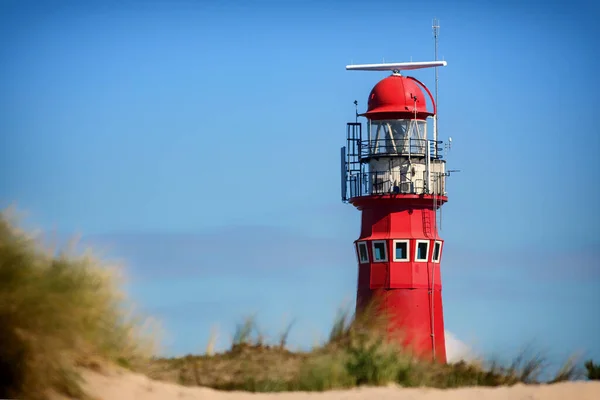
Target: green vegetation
[(355, 354), (593, 370), (59, 313)]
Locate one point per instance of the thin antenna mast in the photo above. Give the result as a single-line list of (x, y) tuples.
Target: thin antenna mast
[(436, 29), (435, 26)]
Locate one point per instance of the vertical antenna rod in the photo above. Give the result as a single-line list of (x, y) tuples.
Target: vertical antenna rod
[(436, 27), (436, 30)]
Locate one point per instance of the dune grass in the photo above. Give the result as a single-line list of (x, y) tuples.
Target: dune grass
[(62, 312), (58, 312), (593, 370), (356, 353)]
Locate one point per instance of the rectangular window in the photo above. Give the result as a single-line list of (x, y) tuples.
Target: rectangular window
[(363, 253), (422, 254), (379, 251), (401, 250), (437, 247)]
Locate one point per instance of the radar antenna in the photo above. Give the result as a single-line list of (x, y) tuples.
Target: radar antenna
[(396, 67)]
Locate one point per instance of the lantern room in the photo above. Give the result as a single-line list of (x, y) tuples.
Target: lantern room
[(397, 117), (395, 154), (398, 97)]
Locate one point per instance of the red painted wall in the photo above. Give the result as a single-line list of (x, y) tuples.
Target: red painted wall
[(403, 287)]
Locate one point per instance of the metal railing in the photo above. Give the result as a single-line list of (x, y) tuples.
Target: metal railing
[(403, 147), (386, 182)]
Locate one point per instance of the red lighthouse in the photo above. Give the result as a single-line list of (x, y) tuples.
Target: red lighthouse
[(395, 175)]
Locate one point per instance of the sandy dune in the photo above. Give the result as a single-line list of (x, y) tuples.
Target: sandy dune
[(127, 386)]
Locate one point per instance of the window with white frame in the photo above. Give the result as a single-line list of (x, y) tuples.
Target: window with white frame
[(363, 252), (422, 251), (379, 251), (401, 250), (437, 249)]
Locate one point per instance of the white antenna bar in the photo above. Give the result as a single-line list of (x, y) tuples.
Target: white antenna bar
[(396, 66)]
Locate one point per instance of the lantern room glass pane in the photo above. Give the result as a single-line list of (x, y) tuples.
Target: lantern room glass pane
[(398, 136)]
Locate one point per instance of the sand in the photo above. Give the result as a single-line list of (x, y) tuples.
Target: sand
[(124, 385)]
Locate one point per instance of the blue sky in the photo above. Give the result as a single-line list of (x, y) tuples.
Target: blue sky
[(199, 143)]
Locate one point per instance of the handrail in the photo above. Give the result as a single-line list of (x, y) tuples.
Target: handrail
[(384, 182), (414, 147)]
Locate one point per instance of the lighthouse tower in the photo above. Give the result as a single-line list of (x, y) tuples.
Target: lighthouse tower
[(394, 173)]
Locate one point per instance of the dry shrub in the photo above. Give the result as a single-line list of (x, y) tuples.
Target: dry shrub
[(58, 313)]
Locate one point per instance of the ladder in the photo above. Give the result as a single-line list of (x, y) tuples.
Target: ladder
[(427, 231), (353, 164)]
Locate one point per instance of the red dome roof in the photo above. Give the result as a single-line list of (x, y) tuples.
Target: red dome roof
[(393, 98)]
